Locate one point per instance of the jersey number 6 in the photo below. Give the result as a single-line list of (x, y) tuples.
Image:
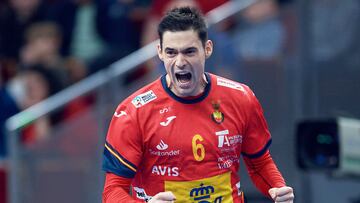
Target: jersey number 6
[(198, 149)]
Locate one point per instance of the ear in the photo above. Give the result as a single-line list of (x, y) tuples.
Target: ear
[(159, 51), (208, 48)]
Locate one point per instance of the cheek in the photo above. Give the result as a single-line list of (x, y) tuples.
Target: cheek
[(168, 65), (198, 66), (199, 71)]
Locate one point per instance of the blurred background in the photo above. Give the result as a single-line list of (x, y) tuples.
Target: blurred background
[(66, 64)]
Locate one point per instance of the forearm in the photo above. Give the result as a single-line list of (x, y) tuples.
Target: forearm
[(264, 173), (116, 189)]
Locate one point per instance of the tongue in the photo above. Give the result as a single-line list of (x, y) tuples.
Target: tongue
[(184, 78)]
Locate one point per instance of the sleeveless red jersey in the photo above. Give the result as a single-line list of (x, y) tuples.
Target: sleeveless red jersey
[(191, 147)]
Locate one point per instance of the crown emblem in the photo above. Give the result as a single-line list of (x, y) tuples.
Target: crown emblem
[(217, 116)]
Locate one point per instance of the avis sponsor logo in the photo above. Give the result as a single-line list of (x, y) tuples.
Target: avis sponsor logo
[(141, 194), (143, 99), (165, 171), (203, 194)]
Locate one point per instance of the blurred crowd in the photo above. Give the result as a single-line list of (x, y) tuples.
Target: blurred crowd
[(48, 45)]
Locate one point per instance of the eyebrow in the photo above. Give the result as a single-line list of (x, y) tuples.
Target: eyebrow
[(184, 50), (169, 49)]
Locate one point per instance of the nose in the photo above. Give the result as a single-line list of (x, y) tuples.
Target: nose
[(180, 61)]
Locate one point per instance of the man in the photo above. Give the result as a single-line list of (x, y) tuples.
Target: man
[(179, 139)]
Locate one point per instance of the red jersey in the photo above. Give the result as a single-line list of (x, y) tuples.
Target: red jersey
[(190, 146)]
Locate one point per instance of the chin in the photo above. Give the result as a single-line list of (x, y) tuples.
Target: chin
[(184, 92)]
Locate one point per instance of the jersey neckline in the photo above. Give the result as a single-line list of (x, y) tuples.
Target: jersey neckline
[(187, 101)]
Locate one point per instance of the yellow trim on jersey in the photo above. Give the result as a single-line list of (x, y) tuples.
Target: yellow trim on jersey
[(120, 159)]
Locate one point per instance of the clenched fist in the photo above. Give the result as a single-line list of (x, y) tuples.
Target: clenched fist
[(282, 195), (163, 197)]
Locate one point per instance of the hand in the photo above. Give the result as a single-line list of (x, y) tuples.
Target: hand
[(163, 197), (282, 195)]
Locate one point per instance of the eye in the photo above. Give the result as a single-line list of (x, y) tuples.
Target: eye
[(170, 53), (190, 52)]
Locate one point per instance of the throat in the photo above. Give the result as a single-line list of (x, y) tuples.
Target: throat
[(183, 78)]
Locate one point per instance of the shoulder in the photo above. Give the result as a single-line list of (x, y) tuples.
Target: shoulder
[(230, 87)]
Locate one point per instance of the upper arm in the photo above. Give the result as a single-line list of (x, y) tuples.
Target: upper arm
[(123, 146), (257, 138)]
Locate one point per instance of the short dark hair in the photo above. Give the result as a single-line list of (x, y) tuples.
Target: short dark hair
[(182, 19)]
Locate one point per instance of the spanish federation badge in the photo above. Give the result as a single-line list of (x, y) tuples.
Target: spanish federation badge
[(217, 116)]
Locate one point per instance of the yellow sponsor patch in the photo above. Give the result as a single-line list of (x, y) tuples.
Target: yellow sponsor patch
[(216, 189)]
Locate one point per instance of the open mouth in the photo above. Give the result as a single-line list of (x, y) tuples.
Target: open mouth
[(183, 77)]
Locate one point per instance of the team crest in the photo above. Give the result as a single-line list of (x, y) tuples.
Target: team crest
[(217, 116)]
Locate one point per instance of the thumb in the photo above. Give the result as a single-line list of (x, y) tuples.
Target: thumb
[(272, 192)]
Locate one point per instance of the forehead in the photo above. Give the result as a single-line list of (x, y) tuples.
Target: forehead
[(181, 39)]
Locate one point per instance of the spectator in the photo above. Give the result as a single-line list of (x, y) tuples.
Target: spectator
[(42, 48), (15, 18), (325, 33), (113, 17), (30, 87), (260, 34), (80, 35)]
